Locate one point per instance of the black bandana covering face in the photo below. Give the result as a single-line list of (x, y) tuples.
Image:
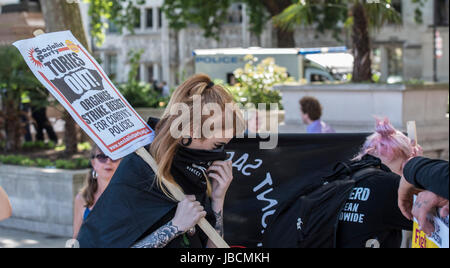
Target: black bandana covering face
[(189, 168)]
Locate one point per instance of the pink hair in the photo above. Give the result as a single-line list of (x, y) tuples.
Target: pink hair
[(389, 143)]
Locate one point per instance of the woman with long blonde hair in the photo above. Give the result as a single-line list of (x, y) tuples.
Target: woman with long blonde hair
[(136, 210)]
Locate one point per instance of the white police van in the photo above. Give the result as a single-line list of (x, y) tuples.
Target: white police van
[(311, 64)]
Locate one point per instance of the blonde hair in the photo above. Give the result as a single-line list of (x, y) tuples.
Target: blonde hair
[(164, 146)]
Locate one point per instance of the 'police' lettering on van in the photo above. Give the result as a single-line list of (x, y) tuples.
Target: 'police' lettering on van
[(217, 60)]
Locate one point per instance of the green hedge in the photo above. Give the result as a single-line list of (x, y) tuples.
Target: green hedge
[(38, 145), (77, 163)]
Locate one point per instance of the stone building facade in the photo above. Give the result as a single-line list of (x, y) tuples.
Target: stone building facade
[(168, 54), (400, 52)]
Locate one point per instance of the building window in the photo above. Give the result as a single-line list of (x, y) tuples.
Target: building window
[(112, 28), (160, 18), (395, 64), (441, 12), (111, 66), (149, 17), (150, 73), (137, 18), (397, 6), (235, 13)]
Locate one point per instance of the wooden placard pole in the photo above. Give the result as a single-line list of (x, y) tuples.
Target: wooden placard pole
[(178, 194), (411, 131)]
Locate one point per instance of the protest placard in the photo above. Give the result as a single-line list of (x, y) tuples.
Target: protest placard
[(438, 239), (78, 82)]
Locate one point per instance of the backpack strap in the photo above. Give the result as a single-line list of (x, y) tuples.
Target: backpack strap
[(364, 173), (345, 167), (340, 169)]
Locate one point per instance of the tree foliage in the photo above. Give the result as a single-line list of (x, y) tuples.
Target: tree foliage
[(16, 79), (140, 94), (122, 13), (255, 82), (360, 16), (211, 15), (334, 15)]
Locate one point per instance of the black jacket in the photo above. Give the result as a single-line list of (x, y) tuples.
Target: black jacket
[(131, 207), (428, 174)]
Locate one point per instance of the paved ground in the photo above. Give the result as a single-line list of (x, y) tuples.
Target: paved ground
[(10, 238)]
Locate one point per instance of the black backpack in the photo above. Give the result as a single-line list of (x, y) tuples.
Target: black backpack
[(310, 219)]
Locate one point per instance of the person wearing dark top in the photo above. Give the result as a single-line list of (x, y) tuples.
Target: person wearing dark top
[(38, 105), (428, 174), (39, 114), (371, 217), (428, 178), (371, 214), (136, 210)]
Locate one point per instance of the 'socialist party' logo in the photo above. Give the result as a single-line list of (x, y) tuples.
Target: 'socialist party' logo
[(62, 61), (38, 55)]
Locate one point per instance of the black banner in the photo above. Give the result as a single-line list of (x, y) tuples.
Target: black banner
[(264, 179)]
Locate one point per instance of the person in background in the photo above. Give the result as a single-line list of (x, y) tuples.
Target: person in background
[(39, 114), (311, 112), (165, 89), (428, 178), (156, 85), (253, 122), (103, 169), (25, 116), (5, 205), (2, 126), (371, 216)]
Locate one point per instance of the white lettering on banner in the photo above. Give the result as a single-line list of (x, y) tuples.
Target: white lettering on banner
[(262, 197), (244, 170), (240, 163), (263, 219), (267, 180), (264, 186)]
